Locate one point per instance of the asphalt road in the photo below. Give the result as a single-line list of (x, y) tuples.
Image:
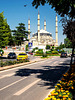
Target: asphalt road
[(33, 81)]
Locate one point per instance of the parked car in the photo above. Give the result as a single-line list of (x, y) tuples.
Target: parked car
[(11, 55), (22, 56), (63, 54)]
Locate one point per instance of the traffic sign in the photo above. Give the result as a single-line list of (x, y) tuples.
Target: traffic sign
[(30, 44)]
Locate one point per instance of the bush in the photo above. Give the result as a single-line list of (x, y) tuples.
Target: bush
[(60, 51), (40, 51), (12, 62), (1, 52), (48, 52), (44, 55), (54, 52)]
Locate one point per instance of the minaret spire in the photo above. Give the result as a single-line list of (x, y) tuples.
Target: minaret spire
[(29, 28), (38, 25), (56, 31), (45, 25)]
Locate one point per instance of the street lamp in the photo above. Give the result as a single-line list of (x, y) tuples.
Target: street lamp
[(24, 44)]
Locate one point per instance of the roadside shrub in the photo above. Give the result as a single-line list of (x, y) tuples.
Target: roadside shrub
[(60, 51), (2, 64), (54, 52), (1, 52), (40, 51), (10, 62), (44, 55), (14, 62), (48, 52)]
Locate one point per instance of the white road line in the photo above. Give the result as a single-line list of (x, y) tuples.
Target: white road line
[(12, 84), (49, 93), (55, 62), (60, 62), (26, 88), (8, 75)]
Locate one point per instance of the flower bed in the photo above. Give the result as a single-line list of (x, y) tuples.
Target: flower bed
[(65, 89)]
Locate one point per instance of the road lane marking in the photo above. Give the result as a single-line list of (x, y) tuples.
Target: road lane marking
[(55, 62), (12, 84), (26, 88), (8, 75), (49, 93), (60, 62)]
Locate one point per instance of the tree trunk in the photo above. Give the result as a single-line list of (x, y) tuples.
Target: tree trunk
[(72, 56)]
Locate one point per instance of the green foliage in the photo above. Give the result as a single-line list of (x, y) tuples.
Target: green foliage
[(26, 47), (34, 49), (48, 52), (38, 54), (40, 51), (44, 55), (59, 6), (60, 51), (5, 32), (47, 46), (67, 43), (20, 33), (1, 51), (61, 46), (54, 52), (7, 63)]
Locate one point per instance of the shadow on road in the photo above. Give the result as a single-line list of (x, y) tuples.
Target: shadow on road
[(49, 74)]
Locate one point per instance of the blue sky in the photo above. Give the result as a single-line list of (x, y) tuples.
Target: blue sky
[(15, 12)]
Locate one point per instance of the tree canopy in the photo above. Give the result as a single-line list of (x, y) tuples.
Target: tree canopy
[(67, 43), (62, 7), (69, 31), (20, 34), (5, 32)]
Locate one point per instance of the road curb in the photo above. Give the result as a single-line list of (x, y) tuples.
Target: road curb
[(21, 64)]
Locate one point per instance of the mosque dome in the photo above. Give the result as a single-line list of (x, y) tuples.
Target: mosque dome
[(43, 32)]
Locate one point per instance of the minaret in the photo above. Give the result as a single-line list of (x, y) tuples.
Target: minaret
[(38, 26), (29, 29), (45, 25), (56, 31)]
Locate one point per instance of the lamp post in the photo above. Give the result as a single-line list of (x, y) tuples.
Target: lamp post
[(24, 44)]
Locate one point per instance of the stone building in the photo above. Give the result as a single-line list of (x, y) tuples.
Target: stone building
[(41, 38)]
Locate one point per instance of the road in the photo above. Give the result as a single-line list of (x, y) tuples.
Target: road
[(33, 81)]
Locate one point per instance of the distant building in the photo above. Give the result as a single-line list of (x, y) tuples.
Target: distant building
[(41, 38)]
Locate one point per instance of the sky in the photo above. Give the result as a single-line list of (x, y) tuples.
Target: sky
[(15, 13)]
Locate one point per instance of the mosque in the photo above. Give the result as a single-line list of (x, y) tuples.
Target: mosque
[(42, 37)]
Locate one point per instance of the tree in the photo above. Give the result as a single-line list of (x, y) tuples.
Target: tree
[(67, 43), (27, 47), (62, 7), (20, 34), (69, 30), (5, 32), (47, 46)]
